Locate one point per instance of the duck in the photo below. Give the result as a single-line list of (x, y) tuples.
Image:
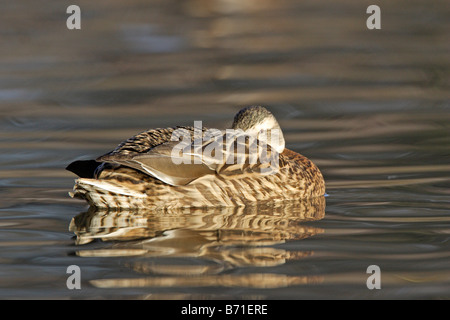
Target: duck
[(196, 166)]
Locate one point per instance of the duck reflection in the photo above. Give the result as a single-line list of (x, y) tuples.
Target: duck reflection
[(218, 239)]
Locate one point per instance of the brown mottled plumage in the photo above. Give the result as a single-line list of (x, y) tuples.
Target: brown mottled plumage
[(144, 171)]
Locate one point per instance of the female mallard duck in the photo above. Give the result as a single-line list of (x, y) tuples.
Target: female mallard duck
[(207, 168)]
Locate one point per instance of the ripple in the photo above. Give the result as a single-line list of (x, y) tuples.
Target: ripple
[(258, 280)]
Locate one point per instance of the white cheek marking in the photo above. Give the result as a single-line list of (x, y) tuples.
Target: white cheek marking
[(266, 125)]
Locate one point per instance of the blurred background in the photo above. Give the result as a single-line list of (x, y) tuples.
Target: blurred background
[(369, 107)]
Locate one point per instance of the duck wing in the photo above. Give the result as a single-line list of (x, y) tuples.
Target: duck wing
[(161, 164), (217, 152), (142, 142)]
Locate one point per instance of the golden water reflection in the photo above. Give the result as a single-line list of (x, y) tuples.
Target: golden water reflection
[(193, 247)]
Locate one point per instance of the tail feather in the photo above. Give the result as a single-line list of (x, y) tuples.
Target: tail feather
[(83, 168), (107, 194)]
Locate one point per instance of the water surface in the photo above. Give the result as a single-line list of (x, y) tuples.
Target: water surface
[(369, 107)]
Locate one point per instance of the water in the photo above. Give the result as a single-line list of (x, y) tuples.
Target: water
[(370, 108)]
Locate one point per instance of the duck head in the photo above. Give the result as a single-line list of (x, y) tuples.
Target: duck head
[(259, 122)]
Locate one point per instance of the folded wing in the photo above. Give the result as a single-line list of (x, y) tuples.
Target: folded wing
[(226, 153)]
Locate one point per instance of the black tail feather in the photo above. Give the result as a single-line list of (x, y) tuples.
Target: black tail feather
[(83, 168)]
